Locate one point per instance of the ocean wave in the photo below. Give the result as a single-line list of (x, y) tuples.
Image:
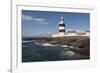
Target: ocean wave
[(47, 44)]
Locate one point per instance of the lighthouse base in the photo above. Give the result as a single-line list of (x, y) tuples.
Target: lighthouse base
[(58, 35)]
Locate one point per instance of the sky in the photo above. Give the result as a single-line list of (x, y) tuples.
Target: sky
[(45, 23)]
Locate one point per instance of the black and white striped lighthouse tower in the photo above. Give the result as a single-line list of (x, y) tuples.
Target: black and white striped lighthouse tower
[(61, 27)]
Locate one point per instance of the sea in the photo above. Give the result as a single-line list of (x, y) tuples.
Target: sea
[(32, 52)]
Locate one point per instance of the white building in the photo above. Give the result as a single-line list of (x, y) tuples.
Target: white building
[(71, 33)]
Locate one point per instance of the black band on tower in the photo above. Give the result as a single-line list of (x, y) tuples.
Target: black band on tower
[(62, 25), (62, 30)]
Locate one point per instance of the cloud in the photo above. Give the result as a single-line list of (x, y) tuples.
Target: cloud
[(48, 32), (40, 34), (34, 20), (26, 17), (40, 21)]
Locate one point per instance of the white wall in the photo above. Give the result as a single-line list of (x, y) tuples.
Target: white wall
[(5, 34)]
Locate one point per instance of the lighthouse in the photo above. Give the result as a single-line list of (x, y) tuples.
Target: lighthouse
[(61, 27), (61, 33)]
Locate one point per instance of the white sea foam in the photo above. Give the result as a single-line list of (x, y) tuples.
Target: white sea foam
[(68, 53), (64, 45), (47, 44)]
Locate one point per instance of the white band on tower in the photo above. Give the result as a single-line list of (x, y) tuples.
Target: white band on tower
[(61, 27)]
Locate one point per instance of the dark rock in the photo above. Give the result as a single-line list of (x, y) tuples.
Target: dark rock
[(82, 46)]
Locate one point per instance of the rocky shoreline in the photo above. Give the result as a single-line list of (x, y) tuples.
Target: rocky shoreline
[(77, 44)]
